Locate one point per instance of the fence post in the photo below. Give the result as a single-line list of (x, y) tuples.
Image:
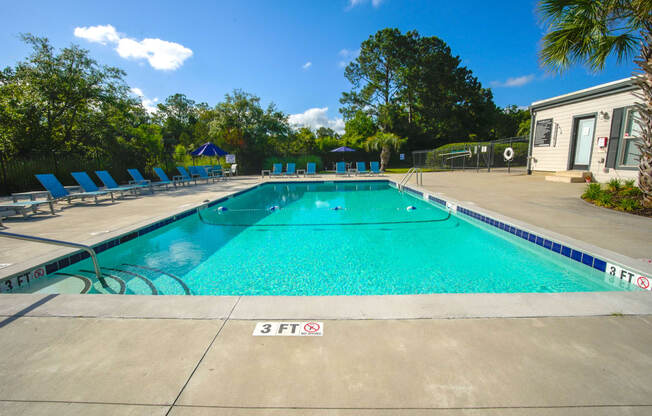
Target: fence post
[(509, 161), (464, 162), (490, 157), (5, 184), (477, 159)]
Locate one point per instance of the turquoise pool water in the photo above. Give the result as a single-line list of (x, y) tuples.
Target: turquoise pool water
[(354, 238)]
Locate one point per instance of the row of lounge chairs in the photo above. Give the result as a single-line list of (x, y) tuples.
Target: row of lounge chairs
[(311, 169), (57, 192), (291, 169)]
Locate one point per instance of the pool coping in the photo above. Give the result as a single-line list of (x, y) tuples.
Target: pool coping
[(382, 307), (469, 211)]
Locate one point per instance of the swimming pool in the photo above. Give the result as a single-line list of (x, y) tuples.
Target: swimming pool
[(324, 238)]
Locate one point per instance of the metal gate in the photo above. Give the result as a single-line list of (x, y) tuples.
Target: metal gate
[(476, 155)]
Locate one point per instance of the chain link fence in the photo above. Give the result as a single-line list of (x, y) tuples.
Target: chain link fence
[(475, 155)]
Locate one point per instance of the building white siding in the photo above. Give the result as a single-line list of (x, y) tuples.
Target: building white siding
[(556, 156)]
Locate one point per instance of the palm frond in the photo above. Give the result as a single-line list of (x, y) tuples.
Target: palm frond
[(588, 31)]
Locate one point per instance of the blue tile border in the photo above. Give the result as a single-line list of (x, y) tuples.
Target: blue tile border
[(413, 191), (576, 255)]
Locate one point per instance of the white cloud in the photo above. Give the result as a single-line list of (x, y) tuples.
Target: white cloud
[(316, 118), (98, 34), (346, 56), (375, 3), (148, 103), (514, 82), (306, 65), (160, 54)]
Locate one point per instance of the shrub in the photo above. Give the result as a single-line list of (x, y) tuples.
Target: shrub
[(592, 192), (605, 199), (631, 183), (629, 204), (631, 192), (614, 185)]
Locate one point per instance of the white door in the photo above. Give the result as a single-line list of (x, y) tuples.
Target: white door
[(583, 143)]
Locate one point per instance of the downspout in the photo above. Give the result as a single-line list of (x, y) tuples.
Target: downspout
[(530, 142)]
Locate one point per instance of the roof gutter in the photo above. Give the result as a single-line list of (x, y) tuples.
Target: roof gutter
[(627, 85)]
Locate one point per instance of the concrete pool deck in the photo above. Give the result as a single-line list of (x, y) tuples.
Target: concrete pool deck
[(478, 366), (467, 354)]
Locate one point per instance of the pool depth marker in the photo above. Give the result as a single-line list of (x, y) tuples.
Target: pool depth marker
[(289, 329)]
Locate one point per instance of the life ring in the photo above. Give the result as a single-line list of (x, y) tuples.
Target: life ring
[(508, 154)]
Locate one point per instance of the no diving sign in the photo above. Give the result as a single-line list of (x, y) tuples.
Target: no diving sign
[(289, 329), (614, 272)]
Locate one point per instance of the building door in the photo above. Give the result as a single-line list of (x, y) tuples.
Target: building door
[(582, 143)]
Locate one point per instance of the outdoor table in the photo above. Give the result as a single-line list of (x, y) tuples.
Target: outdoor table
[(268, 172), (301, 172), (351, 170)]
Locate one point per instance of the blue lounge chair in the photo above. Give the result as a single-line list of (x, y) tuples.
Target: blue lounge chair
[(375, 168), (340, 168), (277, 169), (184, 175), (291, 169), (88, 185), (140, 180), (361, 168), (111, 184), (311, 169), (200, 173), (58, 192), (164, 177)]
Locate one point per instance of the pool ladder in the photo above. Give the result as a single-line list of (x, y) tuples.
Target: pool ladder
[(412, 171)]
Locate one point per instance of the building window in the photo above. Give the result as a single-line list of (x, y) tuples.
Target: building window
[(630, 153)]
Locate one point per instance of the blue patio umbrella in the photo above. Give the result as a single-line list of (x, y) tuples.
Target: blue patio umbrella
[(208, 149), (343, 149)]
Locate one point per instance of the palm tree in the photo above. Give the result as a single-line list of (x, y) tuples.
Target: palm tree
[(589, 31), (384, 142)]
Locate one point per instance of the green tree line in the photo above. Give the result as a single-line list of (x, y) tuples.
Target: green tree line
[(407, 91)]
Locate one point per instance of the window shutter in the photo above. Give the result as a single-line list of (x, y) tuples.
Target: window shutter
[(614, 137)]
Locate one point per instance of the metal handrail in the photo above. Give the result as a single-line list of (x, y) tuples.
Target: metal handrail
[(408, 175), (87, 249)]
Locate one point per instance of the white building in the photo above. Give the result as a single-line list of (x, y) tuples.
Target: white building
[(587, 131)]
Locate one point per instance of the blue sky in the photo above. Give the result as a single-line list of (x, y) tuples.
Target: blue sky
[(289, 52)]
